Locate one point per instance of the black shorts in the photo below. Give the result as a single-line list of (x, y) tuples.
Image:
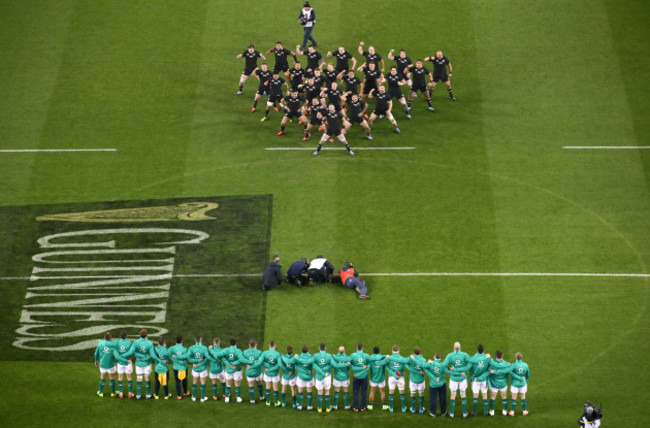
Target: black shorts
[(356, 119), (380, 112), (395, 93), (263, 90), (340, 70), (421, 87), (333, 132), (444, 78), (275, 98), (314, 120), (292, 114), (367, 89), (281, 67), (248, 71)]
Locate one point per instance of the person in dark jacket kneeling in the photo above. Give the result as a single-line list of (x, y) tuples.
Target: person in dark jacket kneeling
[(272, 275)]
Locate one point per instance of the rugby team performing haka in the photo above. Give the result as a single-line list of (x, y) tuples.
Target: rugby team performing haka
[(331, 97)]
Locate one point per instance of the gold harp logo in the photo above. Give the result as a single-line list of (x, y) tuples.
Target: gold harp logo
[(190, 211)]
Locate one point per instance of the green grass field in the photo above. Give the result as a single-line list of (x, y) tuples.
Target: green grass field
[(488, 189)]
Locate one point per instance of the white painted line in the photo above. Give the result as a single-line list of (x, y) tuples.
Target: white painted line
[(239, 275), (605, 147), (337, 148), (54, 150)]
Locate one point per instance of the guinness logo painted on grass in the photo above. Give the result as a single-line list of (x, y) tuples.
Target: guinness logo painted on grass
[(84, 269)]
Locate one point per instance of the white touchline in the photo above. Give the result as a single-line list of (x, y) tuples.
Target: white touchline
[(240, 275), (338, 148), (54, 150), (605, 147)]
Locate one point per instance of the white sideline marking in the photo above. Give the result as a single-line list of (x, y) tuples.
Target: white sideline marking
[(239, 275), (605, 147), (339, 148), (55, 150)]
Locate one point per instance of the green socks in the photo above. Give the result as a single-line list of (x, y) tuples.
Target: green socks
[(452, 405), (214, 390), (101, 386), (475, 405), (267, 395), (310, 395), (112, 384), (299, 399), (202, 392), (391, 401), (320, 402), (523, 404), (120, 386), (346, 399), (193, 390), (402, 398), (492, 404), (463, 402), (421, 401), (238, 391)]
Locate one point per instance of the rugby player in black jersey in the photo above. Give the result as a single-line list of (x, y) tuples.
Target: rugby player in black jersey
[(281, 58), (343, 58), (396, 80), (292, 105), (383, 107), (333, 128), (264, 75), (275, 93), (371, 56), (440, 64), (356, 112), (372, 74), (314, 58), (419, 75), (251, 56)]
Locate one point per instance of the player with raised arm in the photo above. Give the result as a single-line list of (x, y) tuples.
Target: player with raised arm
[(289, 377), (371, 56), (315, 119), (436, 370), (478, 375), (281, 58), (395, 80), (231, 358), (459, 360), (343, 58), (416, 378), (395, 367), (351, 81), (105, 360), (383, 107), (519, 373), (371, 77), (341, 379), (216, 372), (179, 366), (143, 350), (419, 74), (356, 113), (333, 94), (402, 62), (314, 59), (162, 368), (330, 74), (251, 56), (440, 65), (297, 74), (292, 106), (333, 119), (275, 93), (272, 361), (253, 371), (377, 378), (124, 365), (498, 382)]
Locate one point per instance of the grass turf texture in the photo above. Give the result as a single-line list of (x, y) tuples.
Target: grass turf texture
[(488, 188)]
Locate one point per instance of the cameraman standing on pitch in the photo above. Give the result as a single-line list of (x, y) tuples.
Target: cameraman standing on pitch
[(307, 19), (591, 416)]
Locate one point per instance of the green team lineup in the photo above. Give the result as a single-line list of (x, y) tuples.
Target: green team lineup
[(273, 377)]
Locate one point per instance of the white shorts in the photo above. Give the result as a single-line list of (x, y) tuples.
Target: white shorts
[(304, 383), (416, 387), (518, 390), (493, 389), (201, 374), (396, 382), (109, 371), (271, 379), (237, 376), (455, 386), (381, 384), (219, 376), (326, 383), (341, 383), (290, 382), (254, 379), (128, 369), (143, 370), (479, 386)]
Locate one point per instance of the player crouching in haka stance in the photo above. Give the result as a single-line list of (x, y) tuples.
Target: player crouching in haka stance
[(318, 110), (357, 109), (333, 118), (383, 108), (292, 105)]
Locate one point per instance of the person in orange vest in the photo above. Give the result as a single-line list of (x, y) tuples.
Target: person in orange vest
[(350, 278)]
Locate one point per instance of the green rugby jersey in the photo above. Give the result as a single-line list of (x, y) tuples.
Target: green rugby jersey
[(498, 379), (104, 354), (272, 362), (198, 355), (416, 369), (358, 360), (143, 351), (326, 362), (250, 357), (122, 347), (396, 364), (342, 373), (163, 355), (288, 367), (305, 366), (480, 370), (436, 371), (460, 361), (177, 351), (216, 365), (232, 356), (377, 366), (519, 373)]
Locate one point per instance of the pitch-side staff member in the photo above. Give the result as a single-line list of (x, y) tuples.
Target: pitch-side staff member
[(307, 19)]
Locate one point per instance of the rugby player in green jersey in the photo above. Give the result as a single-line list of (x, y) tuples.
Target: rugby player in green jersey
[(124, 366), (377, 378), (324, 380), (498, 382), (105, 360), (395, 367), (216, 372), (359, 365), (198, 356), (436, 370), (341, 379), (289, 377), (459, 360), (162, 368), (179, 367), (231, 358), (253, 374), (416, 378), (272, 361), (479, 374), (143, 351), (519, 373), (305, 369)]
